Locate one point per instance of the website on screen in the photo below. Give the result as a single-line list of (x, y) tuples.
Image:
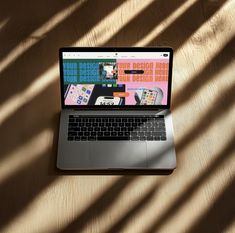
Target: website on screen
[(115, 78)]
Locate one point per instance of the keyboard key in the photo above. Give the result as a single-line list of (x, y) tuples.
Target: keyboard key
[(72, 129), (100, 133), (134, 125), (93, 133), (133, 134), (120, 134), (72, 134), (73, 124)]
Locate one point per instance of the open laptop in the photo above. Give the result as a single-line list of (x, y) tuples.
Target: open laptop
[(116, 109)]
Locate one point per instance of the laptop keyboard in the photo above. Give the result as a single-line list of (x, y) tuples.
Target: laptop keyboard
[(134, 128)]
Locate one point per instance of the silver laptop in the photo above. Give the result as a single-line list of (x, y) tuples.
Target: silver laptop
[(116, 109)]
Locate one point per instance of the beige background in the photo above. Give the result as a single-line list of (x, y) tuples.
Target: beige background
[(197, 197)]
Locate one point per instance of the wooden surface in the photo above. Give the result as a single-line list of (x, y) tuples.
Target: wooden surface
[(197, 197)]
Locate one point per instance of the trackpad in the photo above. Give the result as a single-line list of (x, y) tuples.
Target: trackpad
[(118, 154)]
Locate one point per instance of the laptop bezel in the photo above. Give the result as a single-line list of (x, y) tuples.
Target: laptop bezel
[(116, 49)]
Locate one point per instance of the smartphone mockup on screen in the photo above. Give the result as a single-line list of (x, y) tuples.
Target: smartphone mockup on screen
[(108, 100), (78, 94), (148, 97)]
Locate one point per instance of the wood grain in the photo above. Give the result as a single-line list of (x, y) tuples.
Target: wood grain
[(197, 197)]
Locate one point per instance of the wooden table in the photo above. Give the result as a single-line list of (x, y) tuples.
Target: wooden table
[(197, 197)]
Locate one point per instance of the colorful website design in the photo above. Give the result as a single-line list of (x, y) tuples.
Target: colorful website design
[(115, 78)]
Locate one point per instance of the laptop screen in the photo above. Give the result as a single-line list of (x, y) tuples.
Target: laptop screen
[(115, 78)]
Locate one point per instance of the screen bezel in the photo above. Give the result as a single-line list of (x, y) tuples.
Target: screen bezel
[(116, 49)]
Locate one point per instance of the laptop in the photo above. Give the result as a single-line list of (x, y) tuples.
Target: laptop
[(116, 109)]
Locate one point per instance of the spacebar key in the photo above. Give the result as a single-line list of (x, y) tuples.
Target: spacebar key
[(113, 138)]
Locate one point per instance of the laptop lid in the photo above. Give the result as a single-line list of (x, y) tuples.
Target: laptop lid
[(116, 78)]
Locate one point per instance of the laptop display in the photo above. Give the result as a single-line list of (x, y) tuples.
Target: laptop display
[(116, 78)]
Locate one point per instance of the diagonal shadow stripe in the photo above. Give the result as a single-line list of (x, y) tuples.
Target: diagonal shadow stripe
[(227, 152), (121, 223), (183, 27), (99, 206), (220, 107), (143, 23), (13, 33), (30, 120), (21, 188), (44, 54), (222, 60), (220, 215)]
